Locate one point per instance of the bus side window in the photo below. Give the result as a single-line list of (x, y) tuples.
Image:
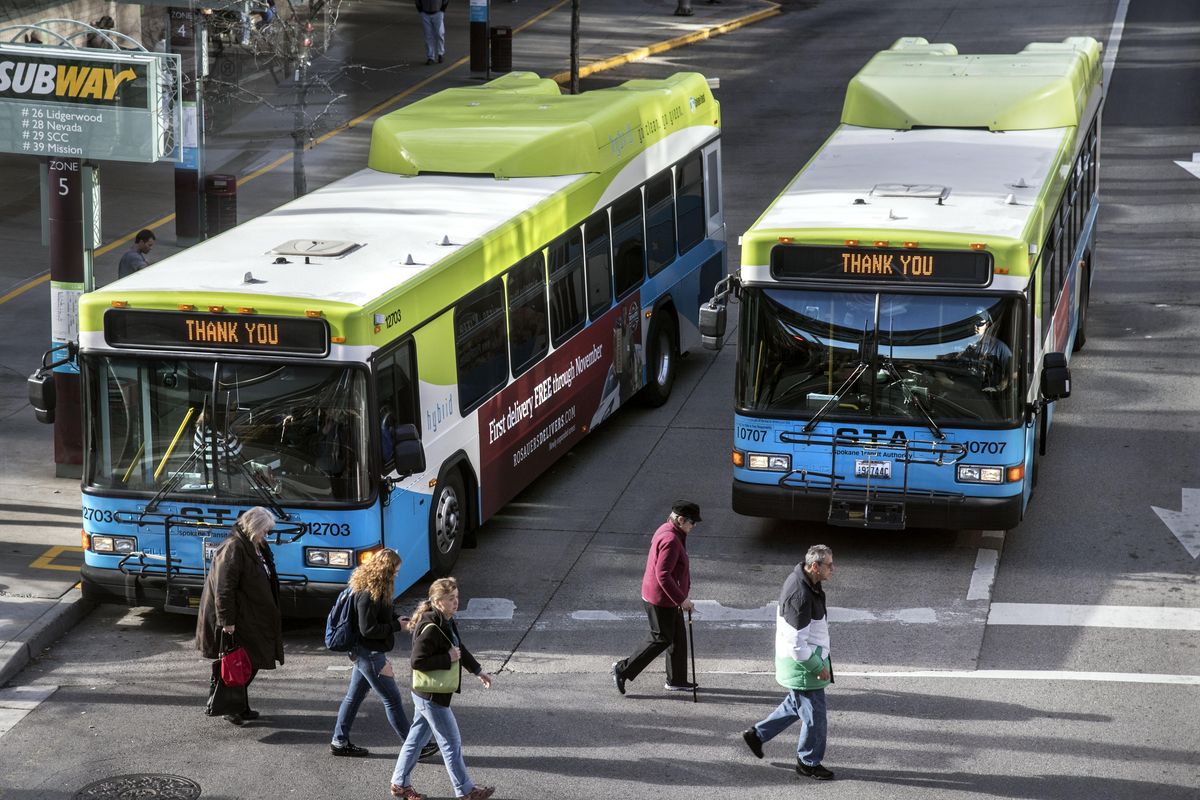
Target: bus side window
[(714, 183), (480, 344), (1046, 284), (660, 223), (397, 395), (599, 263), (528, 325), (629, 243), (566, 286), (689, 183)]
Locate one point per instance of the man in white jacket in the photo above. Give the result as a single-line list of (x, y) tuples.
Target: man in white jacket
[(802, 665)]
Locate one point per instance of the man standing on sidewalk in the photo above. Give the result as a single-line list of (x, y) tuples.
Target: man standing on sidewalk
[(135, 257), (802, 664), (433, 22), (665, 587)]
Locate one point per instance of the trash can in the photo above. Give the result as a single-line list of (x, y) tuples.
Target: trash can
[(220, 203), (501, 45)]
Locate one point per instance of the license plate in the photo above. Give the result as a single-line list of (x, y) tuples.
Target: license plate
[(872, 469)]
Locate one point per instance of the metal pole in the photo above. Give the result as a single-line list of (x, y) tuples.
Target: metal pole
[(67, 283), (692, 651)]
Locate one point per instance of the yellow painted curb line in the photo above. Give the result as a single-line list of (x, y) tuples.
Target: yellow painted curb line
[(670, 44)]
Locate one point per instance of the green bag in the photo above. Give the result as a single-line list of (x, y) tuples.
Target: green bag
[(437, 681)]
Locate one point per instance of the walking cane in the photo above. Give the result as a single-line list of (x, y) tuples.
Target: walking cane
[(692, 650)]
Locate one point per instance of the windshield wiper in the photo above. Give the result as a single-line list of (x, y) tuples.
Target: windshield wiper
[(861, 367), (171, 481), (912, 397)]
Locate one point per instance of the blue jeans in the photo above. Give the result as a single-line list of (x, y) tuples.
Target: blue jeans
[(364, 678), (809, 708), (430, 719), (434, 27)]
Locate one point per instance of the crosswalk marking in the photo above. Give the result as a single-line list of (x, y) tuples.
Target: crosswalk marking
[(1145, 617)]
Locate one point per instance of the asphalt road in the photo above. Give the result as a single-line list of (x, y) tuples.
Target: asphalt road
[(1071, 712)]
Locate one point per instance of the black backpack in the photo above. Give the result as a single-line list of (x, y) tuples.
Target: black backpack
[(340, 632)]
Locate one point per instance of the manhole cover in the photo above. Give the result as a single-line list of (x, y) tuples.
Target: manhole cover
[(127, 787)]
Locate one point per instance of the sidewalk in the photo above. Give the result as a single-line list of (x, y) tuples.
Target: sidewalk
[(377, 64)]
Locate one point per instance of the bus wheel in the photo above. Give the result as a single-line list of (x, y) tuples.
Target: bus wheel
[(1081, 330), (663, 344), (447, 524)]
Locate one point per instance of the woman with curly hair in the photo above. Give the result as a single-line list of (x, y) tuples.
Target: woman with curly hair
[(375, 622), (437, 648)]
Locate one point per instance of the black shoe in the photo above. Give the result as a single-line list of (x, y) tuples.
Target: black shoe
[(349, 749), (430, 751), (441, 59), (618, 678), (750, 736), (816, 771), (686, 686), (236, 719), (249, 714), (428, 61)]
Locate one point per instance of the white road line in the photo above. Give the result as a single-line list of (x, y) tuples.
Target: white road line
[(15, 703), (764, 616), (1035, 675), (1145, 617), (488, 608), (984, 575), (1114, 42)]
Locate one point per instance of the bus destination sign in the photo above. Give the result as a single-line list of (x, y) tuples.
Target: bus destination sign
[(953, 267), (173, 330)]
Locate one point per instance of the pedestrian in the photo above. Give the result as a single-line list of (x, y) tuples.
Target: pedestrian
[(802, 665), (665, 587), (436, 646), (241, 599), (433, 23), (135, 257), (375, 620)]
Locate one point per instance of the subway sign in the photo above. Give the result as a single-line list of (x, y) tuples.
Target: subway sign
[(227, 333), (872, 265), (89, 103)]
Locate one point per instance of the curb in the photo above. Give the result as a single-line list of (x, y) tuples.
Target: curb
[(43, 632)]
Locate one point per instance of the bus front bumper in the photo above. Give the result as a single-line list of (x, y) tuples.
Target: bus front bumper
[(296, 599), (953, 512)]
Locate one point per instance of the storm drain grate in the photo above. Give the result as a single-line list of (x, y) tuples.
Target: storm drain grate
[(127, 787)]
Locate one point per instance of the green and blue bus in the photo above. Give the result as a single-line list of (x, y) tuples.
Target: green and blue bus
[(908, 304), (388, 360)]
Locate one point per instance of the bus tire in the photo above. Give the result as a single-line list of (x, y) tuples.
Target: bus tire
[(1085, 274), (447, 523), (663, 347)]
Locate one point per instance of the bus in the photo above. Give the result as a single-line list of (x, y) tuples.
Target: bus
[(909, 303), (385, 362)]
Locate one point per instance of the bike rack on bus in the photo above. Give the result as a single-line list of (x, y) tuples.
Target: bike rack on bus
[(866, 504), (178, 592)]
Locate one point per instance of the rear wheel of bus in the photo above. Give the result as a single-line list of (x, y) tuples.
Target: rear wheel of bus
[(663, 357), (447, 523)]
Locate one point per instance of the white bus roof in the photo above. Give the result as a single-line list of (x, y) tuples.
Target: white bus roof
[(981, 173), (390, 216)]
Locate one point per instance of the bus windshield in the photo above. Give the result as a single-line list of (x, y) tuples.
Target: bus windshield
[(226, 430), (955, 356)]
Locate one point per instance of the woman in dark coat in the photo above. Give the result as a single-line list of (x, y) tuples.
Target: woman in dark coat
[(436, 646), (241, 599)]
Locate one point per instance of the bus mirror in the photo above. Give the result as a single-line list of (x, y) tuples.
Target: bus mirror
[(407, 452), (41, 395), (1056, 377), (712, 323)]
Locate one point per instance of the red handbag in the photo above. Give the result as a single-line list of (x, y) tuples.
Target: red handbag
[(236, 667)]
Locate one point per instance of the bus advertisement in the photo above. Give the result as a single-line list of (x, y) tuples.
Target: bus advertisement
[(908, 304), (388, 360)]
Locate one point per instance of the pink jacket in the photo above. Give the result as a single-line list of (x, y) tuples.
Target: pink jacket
[(668, 579)]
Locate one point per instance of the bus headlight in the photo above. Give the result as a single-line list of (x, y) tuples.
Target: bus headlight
[(325, 557), (119, 545), (968, 473), (770, 462)]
